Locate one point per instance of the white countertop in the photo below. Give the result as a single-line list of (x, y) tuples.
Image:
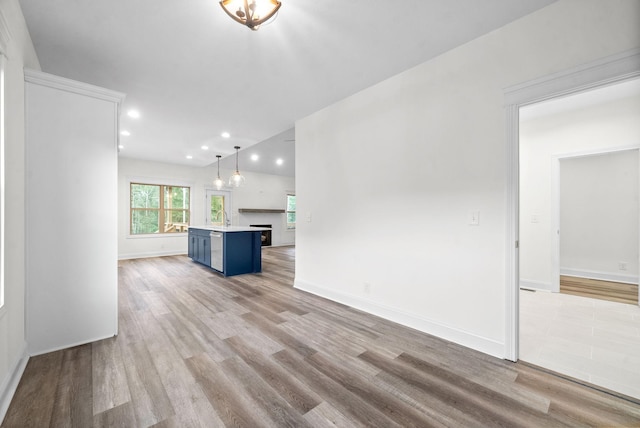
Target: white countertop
[(230, 228)]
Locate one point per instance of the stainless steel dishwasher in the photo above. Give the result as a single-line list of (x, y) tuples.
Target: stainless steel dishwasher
[(217, 255)]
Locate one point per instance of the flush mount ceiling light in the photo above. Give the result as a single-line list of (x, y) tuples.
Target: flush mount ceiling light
[(236, 180), (218, 182), (251, 13)]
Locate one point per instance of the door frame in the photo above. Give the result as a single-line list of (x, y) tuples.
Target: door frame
[(603, 72), (208, 192)]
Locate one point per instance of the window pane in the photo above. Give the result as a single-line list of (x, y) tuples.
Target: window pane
[(176, 197), (145, 196), (144, 221), (217, 210), (291, 218), (146, 215), (291, 202), (176, 221), (178, 216)]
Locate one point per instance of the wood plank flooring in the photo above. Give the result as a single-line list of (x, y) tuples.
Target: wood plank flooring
[(199, 350), (597, 289)]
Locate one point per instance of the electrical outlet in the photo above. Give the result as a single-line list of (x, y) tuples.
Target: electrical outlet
[(622, 265)]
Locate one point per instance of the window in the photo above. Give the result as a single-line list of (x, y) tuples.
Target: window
[(159, 208), (291, 211), (217, 210)]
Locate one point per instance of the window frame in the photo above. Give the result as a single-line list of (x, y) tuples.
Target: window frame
[(163, 184), (290, 226)]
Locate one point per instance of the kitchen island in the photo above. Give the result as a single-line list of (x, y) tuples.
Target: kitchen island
[(230, 250)]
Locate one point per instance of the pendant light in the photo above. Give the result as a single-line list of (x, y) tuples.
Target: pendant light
[(218, 182), (251, 13), (236, 180)]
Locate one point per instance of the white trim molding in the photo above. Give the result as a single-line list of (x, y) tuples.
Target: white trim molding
[(10, 383), (532, 284), (5, 34), (149, 254), (68, 85), (602, 72), (555, 231), (453, 334)]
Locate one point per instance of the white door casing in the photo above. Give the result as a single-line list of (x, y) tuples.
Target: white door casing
[(606, 71)]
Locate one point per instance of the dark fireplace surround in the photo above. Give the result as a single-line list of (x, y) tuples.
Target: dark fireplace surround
[(266, 234)]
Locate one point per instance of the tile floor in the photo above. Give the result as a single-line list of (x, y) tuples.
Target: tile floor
[(592, 340)]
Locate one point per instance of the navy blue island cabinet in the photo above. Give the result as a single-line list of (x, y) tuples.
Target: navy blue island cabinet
[(230, 250)]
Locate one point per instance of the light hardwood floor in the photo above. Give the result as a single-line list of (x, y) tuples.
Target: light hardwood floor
[(596, 289), (197, 349)]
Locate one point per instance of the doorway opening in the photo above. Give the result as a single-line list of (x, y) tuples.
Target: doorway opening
[(578, 216), (217, 208), (596, 216)]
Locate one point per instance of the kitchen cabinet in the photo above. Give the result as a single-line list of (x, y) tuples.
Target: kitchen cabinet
[(240, 250), (199, 248)]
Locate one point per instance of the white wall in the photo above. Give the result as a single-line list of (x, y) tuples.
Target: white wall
[(20, 53), (600, 127), (412, 156), (72, 165), (260, 191), (599, 216)]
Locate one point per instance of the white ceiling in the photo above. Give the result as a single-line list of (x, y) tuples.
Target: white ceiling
[(192, 72)]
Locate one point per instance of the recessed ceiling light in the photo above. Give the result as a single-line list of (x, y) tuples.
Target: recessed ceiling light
[(225, 135), (205, 147), (279, 161), (135, 114), (121, 147), (125, 133), (189, 157), (255, 157)]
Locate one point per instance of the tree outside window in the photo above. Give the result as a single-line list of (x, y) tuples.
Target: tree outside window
[(291, 211), (217, 210), (159, 209)]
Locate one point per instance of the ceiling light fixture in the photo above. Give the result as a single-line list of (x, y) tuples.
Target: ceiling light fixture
[(218, 182), (255, 157), (225, 135), (251, 13), (134, 114), (236, 180)]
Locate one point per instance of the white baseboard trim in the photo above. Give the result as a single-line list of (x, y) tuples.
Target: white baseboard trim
[(36, 352), (10, 383), (532, 284), (151, 254), (453, 334), (603, 276)]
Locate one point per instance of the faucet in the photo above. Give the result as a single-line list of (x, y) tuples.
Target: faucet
[(225, 219)]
